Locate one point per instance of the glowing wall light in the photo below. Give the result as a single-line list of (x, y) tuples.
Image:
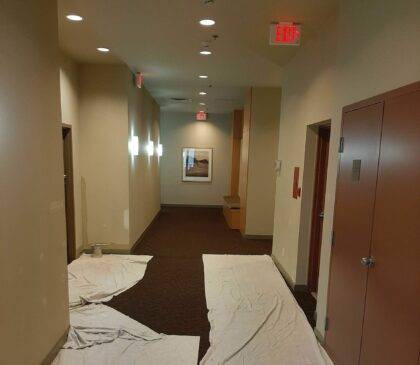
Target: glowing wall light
[(150, 148), (159, 150), (133, 146)]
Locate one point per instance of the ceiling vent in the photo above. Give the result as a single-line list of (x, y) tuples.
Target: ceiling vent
[(181, 100)]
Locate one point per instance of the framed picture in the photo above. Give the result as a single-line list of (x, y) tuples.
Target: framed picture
[(197, 164)]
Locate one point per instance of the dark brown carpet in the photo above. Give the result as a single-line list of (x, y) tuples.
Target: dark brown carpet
[(170, 299)]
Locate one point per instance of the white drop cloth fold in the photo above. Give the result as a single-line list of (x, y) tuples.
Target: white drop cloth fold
[(101, 335), (254, 317), (96, 280)]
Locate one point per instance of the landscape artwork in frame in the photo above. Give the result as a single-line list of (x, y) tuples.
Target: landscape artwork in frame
[(197, 164)]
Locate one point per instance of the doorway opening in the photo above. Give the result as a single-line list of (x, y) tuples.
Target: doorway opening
[(69, 192), (318, 203)]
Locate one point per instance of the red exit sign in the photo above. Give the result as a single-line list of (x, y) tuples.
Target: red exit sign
[(201, 115), (285, 34)]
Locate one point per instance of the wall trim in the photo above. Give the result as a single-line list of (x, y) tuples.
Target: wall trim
[(301, 287), (283, 272), (141, 238), (258, 236), (56, 348), (191, 206), (79, 251), (106, 251), (319, 336)]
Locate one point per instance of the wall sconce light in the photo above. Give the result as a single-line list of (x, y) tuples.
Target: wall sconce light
[(159, 150), (133, 146), (150, 148)]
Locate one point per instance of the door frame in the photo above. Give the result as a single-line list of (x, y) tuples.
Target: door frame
[(67, 132), (318, 201)]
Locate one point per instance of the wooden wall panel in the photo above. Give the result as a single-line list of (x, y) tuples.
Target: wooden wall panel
[(243, 173), (238, 116)]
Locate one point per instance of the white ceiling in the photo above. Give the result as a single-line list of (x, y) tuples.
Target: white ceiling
[(162, 39)]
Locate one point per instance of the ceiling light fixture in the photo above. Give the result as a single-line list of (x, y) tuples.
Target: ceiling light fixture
[(202, 93), (74, 18), (207, 22), (203, 77), (103, 49), (205, 52), (202, 104)]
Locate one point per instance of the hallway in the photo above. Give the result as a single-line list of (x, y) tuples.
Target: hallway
[(170, 298), (212, 182)]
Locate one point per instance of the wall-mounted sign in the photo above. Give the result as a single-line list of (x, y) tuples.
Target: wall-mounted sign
[(139, 80), (201, 116), (285, 34)]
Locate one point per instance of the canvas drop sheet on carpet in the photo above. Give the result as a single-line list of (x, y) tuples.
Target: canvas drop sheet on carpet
[(254, 317), (101, 335), (95, 280)]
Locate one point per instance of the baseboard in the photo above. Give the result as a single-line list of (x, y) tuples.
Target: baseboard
[(56, 349), (300, 287), (138, 242), (191, 206), (283, 272), (79, 251), (107, 251), (319, 336), (258, 236)]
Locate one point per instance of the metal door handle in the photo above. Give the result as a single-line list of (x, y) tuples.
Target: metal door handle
[(368, 261), (321, 215)]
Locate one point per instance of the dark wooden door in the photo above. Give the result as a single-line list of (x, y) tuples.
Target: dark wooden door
[(353, 220), (69, 193), (318, 207), (391, 333)]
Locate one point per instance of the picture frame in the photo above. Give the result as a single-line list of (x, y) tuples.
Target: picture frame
[(197, 164)]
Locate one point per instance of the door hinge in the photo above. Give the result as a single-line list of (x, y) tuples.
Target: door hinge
[(332, 238), (327, 324), (341, 148)]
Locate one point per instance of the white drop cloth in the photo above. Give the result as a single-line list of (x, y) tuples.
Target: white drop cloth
[(96, 280), (101, 335), (254, 318)]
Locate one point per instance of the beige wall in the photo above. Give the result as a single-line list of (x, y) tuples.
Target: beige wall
[(70, 100), (33, 272), (263, 143), (257, 177), (143, 120), (104, 159), (116, 195), (363, 53), (182, 130)]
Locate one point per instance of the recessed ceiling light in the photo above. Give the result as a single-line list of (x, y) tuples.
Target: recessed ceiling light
[(205, 52), (74, 18), (103, 49), (202, 93), (202, 103), (207, 22), (203, 76)]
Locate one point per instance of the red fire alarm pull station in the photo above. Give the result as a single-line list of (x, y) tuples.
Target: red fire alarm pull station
[(296, 189), (285, 34), (200, 116), (139, 80)]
